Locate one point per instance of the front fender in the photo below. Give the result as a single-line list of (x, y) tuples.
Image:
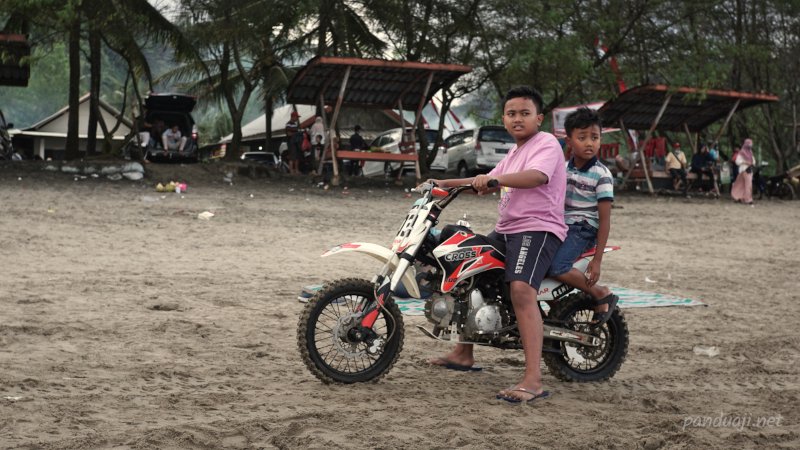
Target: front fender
[(382, 254)]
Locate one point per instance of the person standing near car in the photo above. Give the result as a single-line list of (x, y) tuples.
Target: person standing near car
[(173, 140), (357, 143), (294, 141)]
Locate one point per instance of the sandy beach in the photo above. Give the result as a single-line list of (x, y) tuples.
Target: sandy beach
[(127, 322)]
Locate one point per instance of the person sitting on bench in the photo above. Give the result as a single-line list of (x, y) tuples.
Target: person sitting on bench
[(676, 166)]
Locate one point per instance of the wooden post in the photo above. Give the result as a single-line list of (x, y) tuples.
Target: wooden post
[(647, 139), (325, 123), (631, 149), (336, 110), (689, 135), (725, 124), (417, 116)]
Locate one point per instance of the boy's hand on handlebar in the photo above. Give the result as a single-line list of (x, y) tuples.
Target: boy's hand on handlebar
[(481, 183), (426, 185)]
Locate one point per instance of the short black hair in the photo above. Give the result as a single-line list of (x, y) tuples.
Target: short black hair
[(357, 128), (525, 92), (581, 118)]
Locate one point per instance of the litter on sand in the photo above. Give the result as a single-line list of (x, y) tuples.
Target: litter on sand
[(702, 350), (205, 215)]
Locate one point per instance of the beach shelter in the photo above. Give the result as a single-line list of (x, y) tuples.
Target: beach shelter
[(671, 108), (371, 83)]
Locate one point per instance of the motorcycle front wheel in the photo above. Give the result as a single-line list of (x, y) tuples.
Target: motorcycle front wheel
[(573, 362), (333, 345)]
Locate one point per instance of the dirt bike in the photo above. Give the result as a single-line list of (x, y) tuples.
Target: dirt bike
[(352, 330)]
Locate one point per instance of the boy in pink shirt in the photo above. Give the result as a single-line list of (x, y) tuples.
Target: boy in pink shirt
[(530, 222)]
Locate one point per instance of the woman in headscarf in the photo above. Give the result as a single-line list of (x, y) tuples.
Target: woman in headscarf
[(742, 189), (318, 129)]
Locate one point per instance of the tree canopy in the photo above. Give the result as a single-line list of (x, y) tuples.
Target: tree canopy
[(238, 53)]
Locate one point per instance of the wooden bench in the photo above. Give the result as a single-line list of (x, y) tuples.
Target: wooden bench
[(375, 156)]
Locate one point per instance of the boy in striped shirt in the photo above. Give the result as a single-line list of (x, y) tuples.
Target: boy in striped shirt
[(587, 212)]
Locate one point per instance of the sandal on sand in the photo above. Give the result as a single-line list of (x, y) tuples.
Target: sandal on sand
[(540, 396), (600, 318), (447, 364)]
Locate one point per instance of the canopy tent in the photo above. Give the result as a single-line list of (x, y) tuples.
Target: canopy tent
[(371, 83), (666, 108)]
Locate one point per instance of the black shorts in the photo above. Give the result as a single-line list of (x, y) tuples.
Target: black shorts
[(528, 255)]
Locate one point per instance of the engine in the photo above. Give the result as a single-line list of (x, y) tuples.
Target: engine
[(475, 318)]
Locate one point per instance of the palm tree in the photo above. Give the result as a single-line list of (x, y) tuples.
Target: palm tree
[(245, 44)]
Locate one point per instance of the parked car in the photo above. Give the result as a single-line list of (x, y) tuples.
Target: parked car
[(471, 151), (268, 159), (389, 141), (163, 111), (457, 154), (6, 149)]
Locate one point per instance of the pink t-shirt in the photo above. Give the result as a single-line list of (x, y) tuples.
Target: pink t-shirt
[(540, 208)]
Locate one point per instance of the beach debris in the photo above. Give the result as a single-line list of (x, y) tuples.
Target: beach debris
[(647, 279), (70, 169), (133, 176), (19, 178), (710, 351), (159, 187), (109, 170), (115, 177), (51, 168), (132, 167), (164, 307), (228, 178), (94, 175), (205, 215), (251, 195), (12, 398)]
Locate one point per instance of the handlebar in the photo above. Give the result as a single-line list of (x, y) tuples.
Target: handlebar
[(493, 183)]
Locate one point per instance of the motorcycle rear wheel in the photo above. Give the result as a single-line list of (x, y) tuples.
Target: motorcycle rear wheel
[(328, 350), (584, 364)]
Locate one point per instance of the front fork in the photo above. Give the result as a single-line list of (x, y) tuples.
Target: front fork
[(383, 292), (387, 285)]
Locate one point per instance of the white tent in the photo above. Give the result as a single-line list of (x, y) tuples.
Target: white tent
[(372, 124), (257, 129), (49, 135)]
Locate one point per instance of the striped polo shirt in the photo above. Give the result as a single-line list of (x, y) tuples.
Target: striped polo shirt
[(586, 186)]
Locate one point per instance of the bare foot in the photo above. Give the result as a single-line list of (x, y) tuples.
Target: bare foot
[(452, 360)]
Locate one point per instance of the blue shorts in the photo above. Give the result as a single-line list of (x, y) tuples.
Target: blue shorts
[(528, 255), (580, 238)]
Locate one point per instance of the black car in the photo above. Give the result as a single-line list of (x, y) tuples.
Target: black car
[(6, 149), (162, 112)]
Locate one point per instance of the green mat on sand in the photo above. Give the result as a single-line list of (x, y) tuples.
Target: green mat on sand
[(628, 298)]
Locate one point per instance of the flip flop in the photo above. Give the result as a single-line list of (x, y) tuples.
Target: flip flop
[(540, 396), (600, 318), (450, 365)]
